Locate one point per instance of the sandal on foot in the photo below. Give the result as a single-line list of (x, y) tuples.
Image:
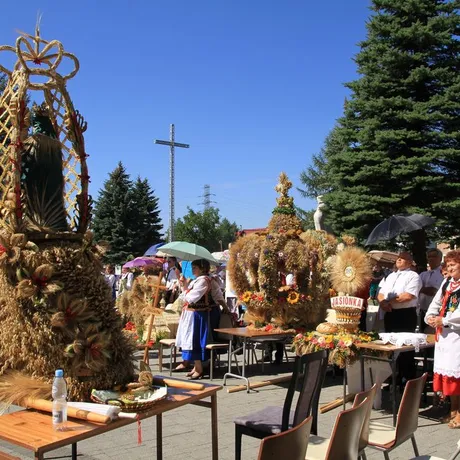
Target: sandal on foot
[(196, 376), (180, 368), (446, 418), (454, 424)]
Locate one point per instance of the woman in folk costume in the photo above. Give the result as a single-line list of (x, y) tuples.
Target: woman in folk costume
[(444, 315), (200, 316)]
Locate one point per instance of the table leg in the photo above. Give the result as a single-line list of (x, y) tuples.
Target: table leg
[(230, 351), (74, 451), (159, 437), (214, 431), (160, 358), (425, 369), (344, 387), (393, 388), (243, 371)]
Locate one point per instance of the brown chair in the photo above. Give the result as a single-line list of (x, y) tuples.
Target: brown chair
[(384, 437), (345, 438), (213, 348), (363, 439), (307, 377), (291, 444), (171, 343)]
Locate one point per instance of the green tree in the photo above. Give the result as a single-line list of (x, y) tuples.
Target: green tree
[(226, 233), (206, 229), (115, 217), (148, 222), (398, 144)]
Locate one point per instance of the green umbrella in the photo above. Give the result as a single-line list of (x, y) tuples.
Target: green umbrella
[(188, 251)]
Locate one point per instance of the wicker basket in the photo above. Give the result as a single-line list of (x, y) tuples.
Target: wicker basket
[(347, 318), (133, 406)]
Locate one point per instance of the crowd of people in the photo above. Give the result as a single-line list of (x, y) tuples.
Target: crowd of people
[(427, 302), (408, 302), (202, 297)]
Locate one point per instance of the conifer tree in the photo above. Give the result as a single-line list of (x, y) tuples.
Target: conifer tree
[(148, 223), (115, 217), (400, 132)]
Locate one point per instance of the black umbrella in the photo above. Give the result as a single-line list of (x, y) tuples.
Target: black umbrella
[(395, 225)]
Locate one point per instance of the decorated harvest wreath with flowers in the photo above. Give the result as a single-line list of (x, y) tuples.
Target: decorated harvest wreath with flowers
[(350, 273), (56, 310), (260, 262)]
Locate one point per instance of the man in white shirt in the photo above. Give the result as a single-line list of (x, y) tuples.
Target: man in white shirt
[(398, 299), (431, 281)]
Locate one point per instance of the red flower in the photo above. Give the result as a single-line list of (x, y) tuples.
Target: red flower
[(268, 328), (69, 313), (40, 281), (2, 249), (95, 351)]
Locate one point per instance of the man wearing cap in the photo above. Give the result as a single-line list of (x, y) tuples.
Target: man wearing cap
[(398, 299)]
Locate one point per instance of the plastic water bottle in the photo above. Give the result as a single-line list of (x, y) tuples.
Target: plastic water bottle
[(59, 394)]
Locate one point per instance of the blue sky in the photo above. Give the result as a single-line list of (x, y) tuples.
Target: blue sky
[(253, 86)]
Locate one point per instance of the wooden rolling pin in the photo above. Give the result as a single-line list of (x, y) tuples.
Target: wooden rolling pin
[(47, 406), (182, 384), (264, 383), (336, 403)]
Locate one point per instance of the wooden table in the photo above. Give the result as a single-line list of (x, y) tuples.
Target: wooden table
[(391, 355), (246, 334), (33, 430)]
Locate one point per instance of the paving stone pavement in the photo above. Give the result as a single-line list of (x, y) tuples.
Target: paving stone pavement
[(187, 430)]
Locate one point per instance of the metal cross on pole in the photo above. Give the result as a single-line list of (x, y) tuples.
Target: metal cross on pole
[(172, 145)]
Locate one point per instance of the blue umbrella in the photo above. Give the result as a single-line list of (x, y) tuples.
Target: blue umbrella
[(186, 266), (152, 250)]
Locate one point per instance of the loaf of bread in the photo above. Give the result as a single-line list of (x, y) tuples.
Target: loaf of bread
[(327, 328)]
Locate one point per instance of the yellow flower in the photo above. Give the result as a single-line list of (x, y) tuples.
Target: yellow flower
[(246, 297), (293, 297)]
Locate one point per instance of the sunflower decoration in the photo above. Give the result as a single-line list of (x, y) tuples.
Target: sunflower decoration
[(350, 271), (293, 297), (246, 297)]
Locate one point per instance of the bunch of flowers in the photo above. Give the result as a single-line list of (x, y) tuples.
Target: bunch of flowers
[(291, 296), (343, 346), (137, 334), (453, 303)]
